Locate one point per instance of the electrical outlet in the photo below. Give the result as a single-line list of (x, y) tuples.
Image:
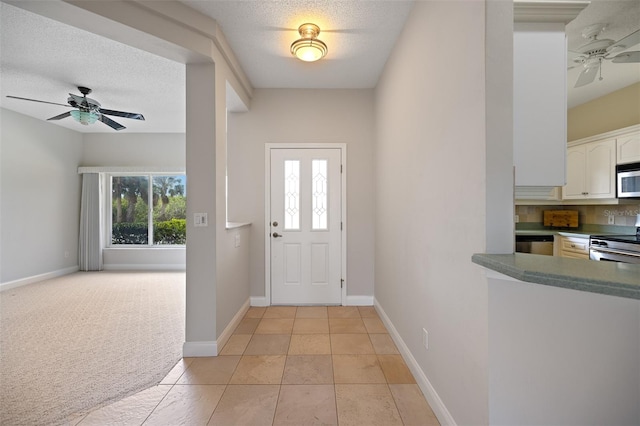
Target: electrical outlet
[(425, 338), (517, 218), (66, 254), (237, 240), (612, 219)]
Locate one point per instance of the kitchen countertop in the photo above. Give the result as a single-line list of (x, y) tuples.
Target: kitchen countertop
[(564, 233), (610, 278), (584, 231)]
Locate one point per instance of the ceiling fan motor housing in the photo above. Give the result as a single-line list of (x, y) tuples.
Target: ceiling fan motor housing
[(84, 90)]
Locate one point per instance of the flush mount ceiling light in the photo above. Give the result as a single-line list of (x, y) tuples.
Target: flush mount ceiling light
[(308, 48)]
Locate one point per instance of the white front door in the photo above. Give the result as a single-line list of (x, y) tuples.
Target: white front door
[(305, 226)]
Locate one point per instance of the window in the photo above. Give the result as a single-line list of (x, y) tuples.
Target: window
[(148, 209)]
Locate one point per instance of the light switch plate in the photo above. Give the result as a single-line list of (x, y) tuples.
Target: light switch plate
[(200, 219)]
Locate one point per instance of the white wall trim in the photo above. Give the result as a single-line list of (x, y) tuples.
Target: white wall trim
[(145, 267), (606, 135), (133, 169), (228, 331), (36, 278), (437, 405), (359, 301), (259, 301), (212, 348), (267, 209), (199, 349), (547, 11)]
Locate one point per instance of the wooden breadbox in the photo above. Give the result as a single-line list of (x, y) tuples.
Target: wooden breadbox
[(561, 218)]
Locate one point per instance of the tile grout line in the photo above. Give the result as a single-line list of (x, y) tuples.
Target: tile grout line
[(161, 399)]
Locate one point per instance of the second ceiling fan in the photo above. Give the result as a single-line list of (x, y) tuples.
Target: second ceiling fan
[(591, 55)]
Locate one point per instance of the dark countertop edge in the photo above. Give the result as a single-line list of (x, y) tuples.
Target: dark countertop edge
[(539, 274)]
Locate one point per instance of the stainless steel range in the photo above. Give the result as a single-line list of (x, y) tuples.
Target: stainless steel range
[(615, 248)]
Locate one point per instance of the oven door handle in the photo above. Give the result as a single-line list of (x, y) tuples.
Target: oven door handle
[(614, 251)]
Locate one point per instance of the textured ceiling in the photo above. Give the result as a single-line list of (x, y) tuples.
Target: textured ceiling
[(359, 34), (44, 59)]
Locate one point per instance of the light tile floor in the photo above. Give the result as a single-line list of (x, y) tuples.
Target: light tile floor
[(286, 365)]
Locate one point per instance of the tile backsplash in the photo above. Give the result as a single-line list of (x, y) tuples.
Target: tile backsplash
[(623, 215)]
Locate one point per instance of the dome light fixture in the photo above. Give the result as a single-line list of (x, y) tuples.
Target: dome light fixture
[(84, 117), (308, 48)]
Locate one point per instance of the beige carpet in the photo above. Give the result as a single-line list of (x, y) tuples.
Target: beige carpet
[(84, 340)]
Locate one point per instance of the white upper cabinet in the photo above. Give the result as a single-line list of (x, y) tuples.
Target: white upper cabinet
[(628, 148), (539, 104), (591, 171), (576, 174), (540, 91)]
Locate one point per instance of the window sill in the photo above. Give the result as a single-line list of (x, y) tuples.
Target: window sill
[(236, 225)]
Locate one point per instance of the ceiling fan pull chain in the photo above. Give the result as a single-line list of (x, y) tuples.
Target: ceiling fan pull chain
[(600, 79)]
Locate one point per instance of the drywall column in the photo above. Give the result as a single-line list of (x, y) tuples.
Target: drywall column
[(499, 128), (201, 240)]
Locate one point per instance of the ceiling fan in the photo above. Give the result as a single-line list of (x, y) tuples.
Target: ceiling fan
[(591, 54), (88, 110)]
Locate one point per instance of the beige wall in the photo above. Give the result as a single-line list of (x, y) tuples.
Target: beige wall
[(436, 173), (613, 111), (40, 197), (305, 116)]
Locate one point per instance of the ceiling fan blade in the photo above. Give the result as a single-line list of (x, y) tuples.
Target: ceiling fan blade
[(109, 122), (630, 40), (61, 116), (132, 115), (627, 57), (587, 75), (574, 59), (35, 100)]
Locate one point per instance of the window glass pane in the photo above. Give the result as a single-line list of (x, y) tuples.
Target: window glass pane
[(130, 211), (292, 194), (319, 194), (169, 210)]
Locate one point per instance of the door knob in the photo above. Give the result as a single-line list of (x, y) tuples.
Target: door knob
[(275, 223), (276, 235)]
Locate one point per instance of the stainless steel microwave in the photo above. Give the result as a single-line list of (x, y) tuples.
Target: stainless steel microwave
[(628, 180)]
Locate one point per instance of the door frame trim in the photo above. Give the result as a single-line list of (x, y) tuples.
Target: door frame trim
[(267, 210)]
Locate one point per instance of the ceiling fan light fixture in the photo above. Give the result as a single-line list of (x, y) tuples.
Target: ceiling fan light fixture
[(309, 48), (84, 117)]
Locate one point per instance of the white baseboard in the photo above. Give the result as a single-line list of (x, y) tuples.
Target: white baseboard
[(36, 278), (351, 301), (259, 301), (438, 407), (359, 301), (199, 349), (228, 330), (213, 348), (144, 267)]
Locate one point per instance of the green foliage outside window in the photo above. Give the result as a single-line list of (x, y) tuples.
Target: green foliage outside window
[(130, 220)]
